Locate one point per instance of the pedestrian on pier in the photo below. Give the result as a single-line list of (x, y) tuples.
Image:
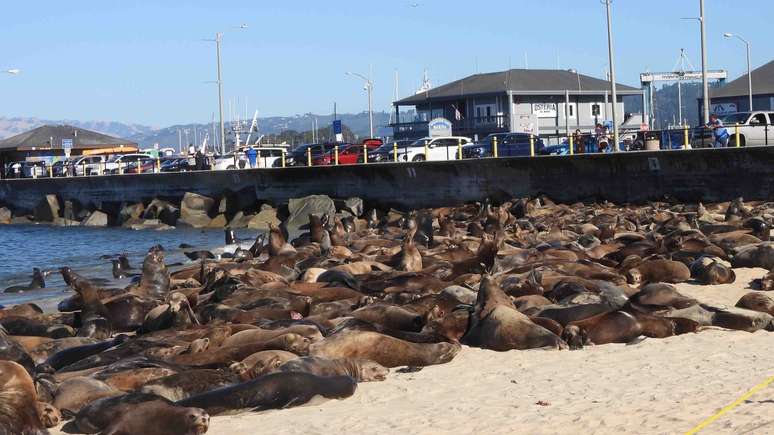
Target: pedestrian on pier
[(252, 156), (719, 131)]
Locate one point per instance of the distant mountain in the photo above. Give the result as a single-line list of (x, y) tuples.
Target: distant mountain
[(13, 126), (171, 136)]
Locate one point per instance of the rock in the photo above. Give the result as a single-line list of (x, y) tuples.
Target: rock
[(353, 206), (47, 209), (223, 206), (239, 221), (218, 221), (131, 211), (5, 216), (151, 224), (194, 210), (21, 220), (299, 210), (262, 220), (96, 219), (62, 222), (164, 211)]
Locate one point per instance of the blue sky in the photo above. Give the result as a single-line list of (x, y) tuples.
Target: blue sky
[(144, 61)]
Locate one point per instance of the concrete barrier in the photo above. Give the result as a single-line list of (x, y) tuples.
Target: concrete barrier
[(693, 175)]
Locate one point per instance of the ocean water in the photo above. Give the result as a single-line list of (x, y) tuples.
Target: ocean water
[(48, 248)]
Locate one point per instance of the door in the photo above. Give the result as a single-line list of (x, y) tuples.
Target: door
[(755, 132)]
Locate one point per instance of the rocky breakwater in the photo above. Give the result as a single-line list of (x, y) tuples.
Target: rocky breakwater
[(193, 210)]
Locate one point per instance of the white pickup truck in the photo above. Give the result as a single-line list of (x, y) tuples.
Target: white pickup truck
[(438, 148), (755, 128)]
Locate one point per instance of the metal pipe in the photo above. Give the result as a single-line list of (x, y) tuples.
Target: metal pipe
[(704, 80), (611, 58)]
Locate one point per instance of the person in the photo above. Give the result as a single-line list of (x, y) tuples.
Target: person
[(602, 138), (719, 131), (252, 156), (191, 150), (17, 166), (199, 157), (579, 142)]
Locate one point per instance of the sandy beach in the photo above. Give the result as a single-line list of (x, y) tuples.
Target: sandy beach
[(656, 386)]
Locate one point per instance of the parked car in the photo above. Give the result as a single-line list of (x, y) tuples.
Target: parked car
[(61, 168), (438, 148), (386, 152), (117, 164), (270, 157), (349, 154), (141, 166), (508, 145), (229, 161), (177, 164), (89, 165), (755, 128), (298, 156)]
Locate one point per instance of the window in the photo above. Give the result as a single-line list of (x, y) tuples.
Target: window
[(771, 118), (758, 119)]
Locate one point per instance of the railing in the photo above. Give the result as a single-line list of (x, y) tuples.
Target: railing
[(681, 138)]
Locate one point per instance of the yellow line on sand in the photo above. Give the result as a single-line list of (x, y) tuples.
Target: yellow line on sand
[(733, 405)]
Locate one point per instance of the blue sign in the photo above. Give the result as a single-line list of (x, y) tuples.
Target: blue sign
[(337, 130), (440, 127)]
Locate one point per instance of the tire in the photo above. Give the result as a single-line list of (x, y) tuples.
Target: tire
[(418, 158), (230, 167)]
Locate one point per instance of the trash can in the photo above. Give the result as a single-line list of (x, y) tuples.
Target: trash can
[(652, 143)]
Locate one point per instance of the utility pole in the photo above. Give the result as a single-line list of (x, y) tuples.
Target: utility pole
[(613, 90), (218, 40), (704, 80)]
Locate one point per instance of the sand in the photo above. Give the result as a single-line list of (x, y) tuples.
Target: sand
[(656, 386)]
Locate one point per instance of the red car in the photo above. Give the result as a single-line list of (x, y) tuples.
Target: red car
[(349, 154)]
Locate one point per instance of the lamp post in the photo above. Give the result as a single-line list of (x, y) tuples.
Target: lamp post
[(704, 81), (369, 87), (749, 68), (218, 40), (611, 59)]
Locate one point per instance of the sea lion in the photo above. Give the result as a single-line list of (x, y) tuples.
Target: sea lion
[(496, 324), (160, 418), (389, 316), (360, 369), (49, 415), (757, 255), (273, 391), (18, 402), (261, 363), (10, 350), (73, 394), (255, 335), (176, 312), (189, 383), (709, 271), (651, 271), (757, 302), (230, 236), (38, 282), (155, 279), (74, 354), (383, 349), (134, 379), (101, 413), (225, 355)]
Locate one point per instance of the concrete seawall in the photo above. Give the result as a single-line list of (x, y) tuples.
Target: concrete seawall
[(695, 175)]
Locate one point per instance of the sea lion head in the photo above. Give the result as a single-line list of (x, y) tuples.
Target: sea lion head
[(574, 336), (369, 371), (634, 277), (198, 419)]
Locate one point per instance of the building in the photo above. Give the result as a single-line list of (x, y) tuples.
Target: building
[(734, 95), (540, 101), (56, 142)]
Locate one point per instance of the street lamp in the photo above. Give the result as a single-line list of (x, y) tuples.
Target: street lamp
[(369, 87), (749, 69), (218, 40), (611, 59)]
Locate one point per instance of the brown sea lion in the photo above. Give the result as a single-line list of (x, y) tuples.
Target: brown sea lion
[(101, 413), (226, 355), (757, 302), (385, 350), (360, 369), (50, 416), (651, 271), (160, 418), (273, 391), (261, 363), (709, 271), (757, 255), (155, 278), (18, 409), (256, 335), (75, 393), (189, 383), (390, 316), (134, 379), (497, 325)]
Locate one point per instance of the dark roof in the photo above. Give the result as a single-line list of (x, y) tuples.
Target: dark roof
[(762, 81), (82, 139), (519, 81)]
